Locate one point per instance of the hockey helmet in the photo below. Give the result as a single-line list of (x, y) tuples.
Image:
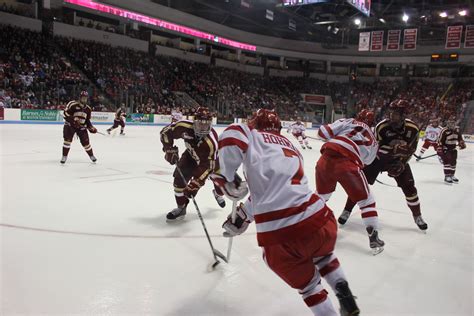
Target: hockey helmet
[(366, 116), (451, 122), (396, 115), (265, 120), (83, 97), (202, 122)]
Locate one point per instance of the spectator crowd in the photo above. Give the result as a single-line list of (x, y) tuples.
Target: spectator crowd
[(37, 71)]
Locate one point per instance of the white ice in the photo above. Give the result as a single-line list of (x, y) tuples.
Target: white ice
[(90, 239)]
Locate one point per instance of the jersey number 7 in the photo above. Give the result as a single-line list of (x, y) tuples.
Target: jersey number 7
[(369, 139), (296, 179)]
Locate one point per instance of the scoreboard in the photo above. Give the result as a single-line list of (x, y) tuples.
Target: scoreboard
[(361, 5)]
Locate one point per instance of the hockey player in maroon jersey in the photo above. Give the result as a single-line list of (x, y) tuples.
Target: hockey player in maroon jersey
[(397, 137), (449, 138), (77, 120), (349, 146), (295, 229), (196, 163), (119, 120)]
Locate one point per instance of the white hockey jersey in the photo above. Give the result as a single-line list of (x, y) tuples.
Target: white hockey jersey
[(297, 128), (432, 133), (351, 138), (176, 116), (282, 204)]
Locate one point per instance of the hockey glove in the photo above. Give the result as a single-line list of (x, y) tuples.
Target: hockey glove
[(396, 169), (171, 155), (192, 188), (462, 145), (238, 226), (235, 190), (92, 129), (401, 150)]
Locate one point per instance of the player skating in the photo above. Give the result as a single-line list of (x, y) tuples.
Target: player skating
[(196, 163), (449, 138), (295, 229), (77, 120), (298, 129), (397, 137), (349, 146), (431, 138), (119, 120)]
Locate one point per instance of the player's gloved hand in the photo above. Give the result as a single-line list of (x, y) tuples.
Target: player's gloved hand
[(92, 129), (395, 169), (192, 188), (401, 150), (235, 190), (462, 145), (239, 225), (171, 155)]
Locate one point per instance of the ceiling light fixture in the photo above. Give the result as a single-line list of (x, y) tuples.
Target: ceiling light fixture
[(443, 14), (463, 12), (405, 17), (357, 21)]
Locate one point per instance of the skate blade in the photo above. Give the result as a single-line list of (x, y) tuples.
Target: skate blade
[(177, 219), (376, 250)]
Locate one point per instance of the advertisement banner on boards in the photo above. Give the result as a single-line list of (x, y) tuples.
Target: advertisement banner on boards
[(469, 39), (140, 118), (41, 115)]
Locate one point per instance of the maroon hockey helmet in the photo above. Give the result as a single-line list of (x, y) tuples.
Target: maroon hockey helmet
[(83, 97), (366, 116), (396, 116), (265, 120), (202, 121)]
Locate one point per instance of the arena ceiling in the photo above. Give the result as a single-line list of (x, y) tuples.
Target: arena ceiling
[(332, 23)]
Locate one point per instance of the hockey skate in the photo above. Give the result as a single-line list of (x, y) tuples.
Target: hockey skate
[(375, 243), (455, 180), (421, 223), (108, 131), (176, 214), (448, 180), (303, 147), (346, 299), (344, 217), (219, 199), (93, 159), (309, 147), (63, 159), (122, 134)]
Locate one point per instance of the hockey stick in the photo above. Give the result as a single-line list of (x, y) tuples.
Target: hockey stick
[(216, 253), (102, 133), (421, 158), (389, 185), (233, 216)]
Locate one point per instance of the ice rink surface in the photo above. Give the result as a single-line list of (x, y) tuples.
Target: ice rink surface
[(91, 239)]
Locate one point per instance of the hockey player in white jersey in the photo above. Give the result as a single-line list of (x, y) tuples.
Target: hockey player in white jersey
[(176, 115), (350, 145), (431, 137), (298, 129), (295, 229)]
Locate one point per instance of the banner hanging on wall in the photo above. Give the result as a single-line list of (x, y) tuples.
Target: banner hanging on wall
[(469, 39), (453, 37), (376, 44), (409, 39), (393, 40), (364, 41)]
